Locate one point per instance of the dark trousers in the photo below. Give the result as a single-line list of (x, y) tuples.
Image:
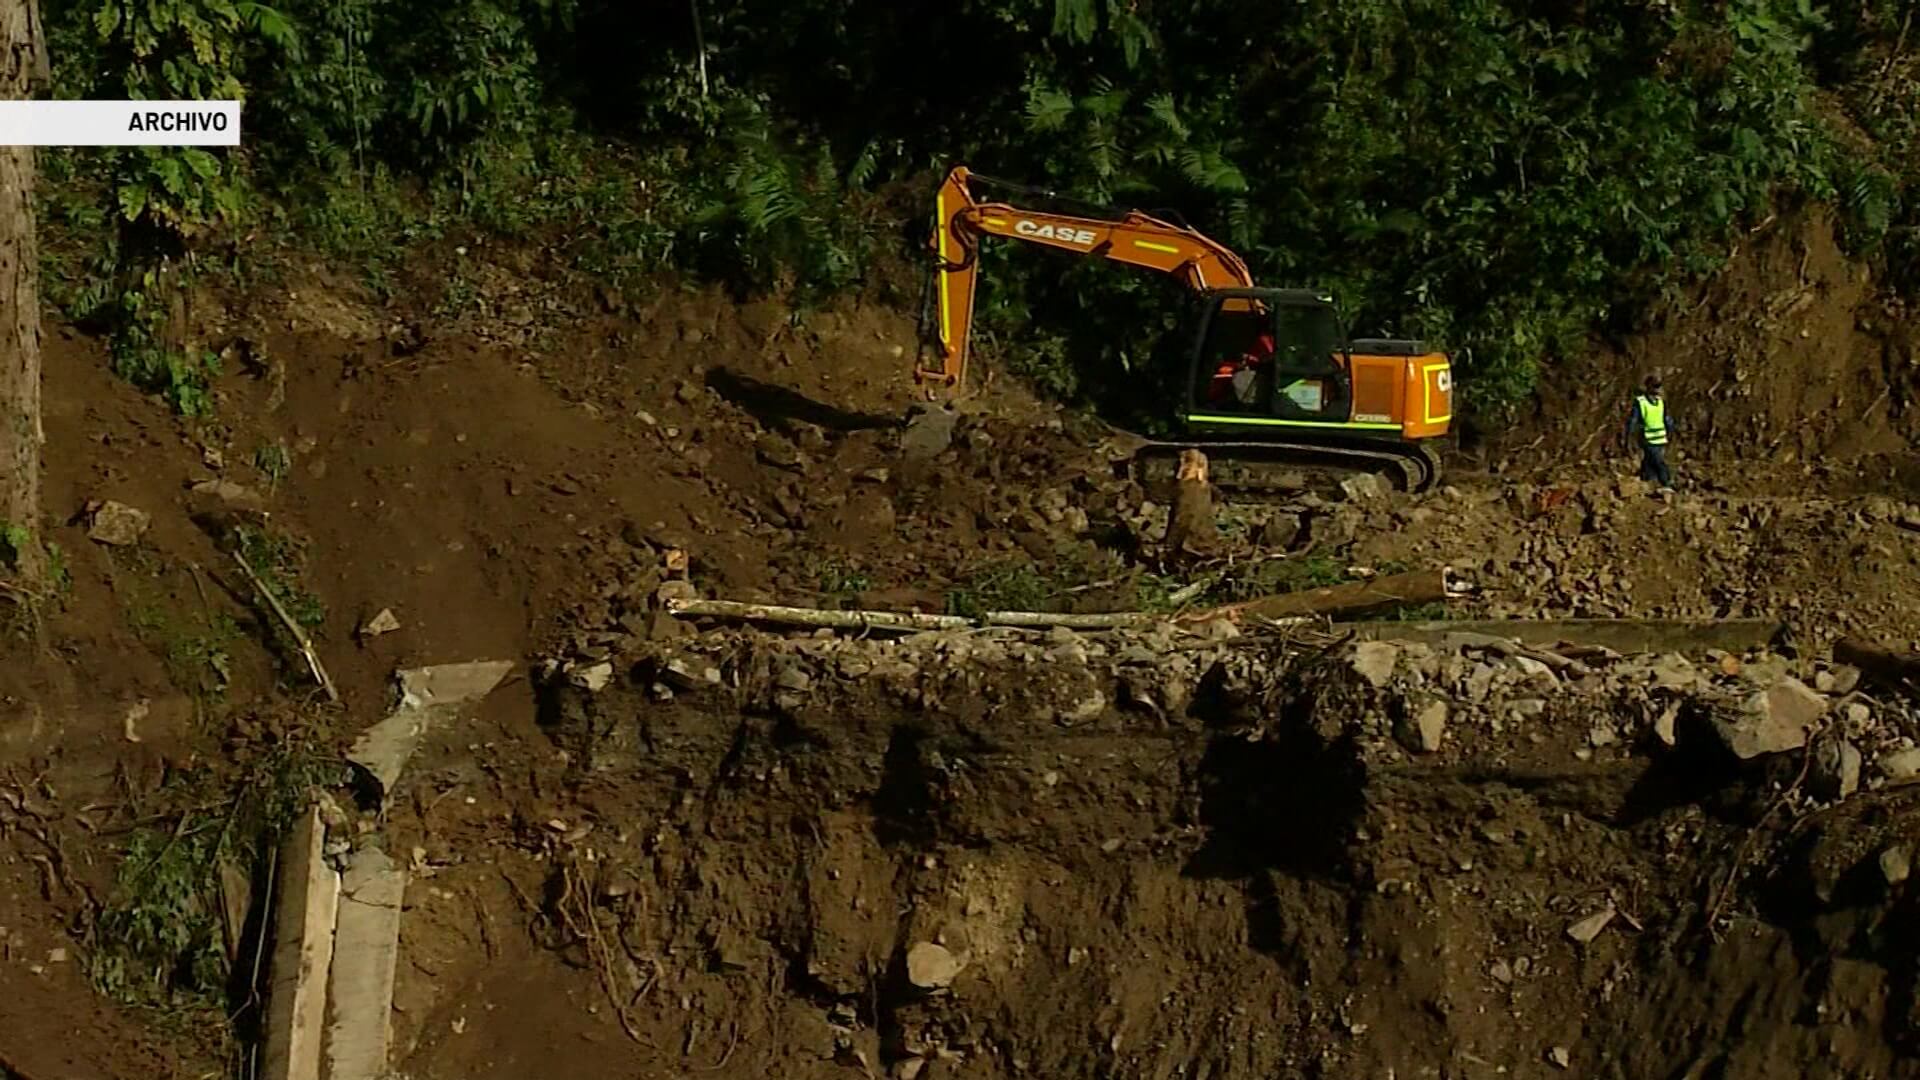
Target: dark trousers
[(1653, 465)]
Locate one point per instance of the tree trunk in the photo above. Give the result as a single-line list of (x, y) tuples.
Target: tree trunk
[(20, 431), (1413, 589), (1894, 670)]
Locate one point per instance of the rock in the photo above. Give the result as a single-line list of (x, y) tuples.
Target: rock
[(1838, 680), (1374, 661), (593, 678), (117, 524), (675, 590), (1560, 1056), (235, 495), (1426, 730), (932, 967), (793, 677), (1675, 673), (383, 623), (1896, 864), (1535, 671), (450, 684), (1366, 487), (1088, 708), (1901, 766), (928, 433), (1773, 720), (778, 452), (1585, 930), (1836, 769), (1663, 724), (687, 675), (1280, 531), (1479, 682)]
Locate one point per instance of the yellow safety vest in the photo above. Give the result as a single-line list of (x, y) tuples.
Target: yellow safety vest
[(1653, 421)]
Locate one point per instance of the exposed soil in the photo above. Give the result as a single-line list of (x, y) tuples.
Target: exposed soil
[(1153, 856)]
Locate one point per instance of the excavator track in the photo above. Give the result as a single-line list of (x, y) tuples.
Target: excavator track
[(1260, 471)]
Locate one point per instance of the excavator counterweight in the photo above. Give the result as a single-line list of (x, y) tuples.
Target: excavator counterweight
[(1273, 386)]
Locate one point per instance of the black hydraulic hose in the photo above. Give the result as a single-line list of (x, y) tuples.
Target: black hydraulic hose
[(1088, 209)]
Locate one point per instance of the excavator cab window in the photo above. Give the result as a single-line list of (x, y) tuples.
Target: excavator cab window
[(1280, 363), (1310, 382)]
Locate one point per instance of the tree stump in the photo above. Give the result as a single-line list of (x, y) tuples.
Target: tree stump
[(1190, 528)]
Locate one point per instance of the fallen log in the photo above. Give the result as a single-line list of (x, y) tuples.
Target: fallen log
[(1395, 590), (1884, 666), (897, 620)]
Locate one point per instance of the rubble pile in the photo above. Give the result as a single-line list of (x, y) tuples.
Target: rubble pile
[(1470, 695), (1614, 548), (1488, 698), (1029, 832)]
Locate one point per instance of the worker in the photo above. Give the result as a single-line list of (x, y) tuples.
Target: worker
[(1650, 426), (1236, 377)]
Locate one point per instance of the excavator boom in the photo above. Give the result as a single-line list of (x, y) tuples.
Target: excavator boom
[(1134, 238)]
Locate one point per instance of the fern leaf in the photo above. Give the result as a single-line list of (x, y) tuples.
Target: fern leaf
[(1161, 108), (1048, 109)]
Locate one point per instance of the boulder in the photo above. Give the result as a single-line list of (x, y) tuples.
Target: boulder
[(1773, 720), (1425, 728), (1901, 766), (1896, 864), (1366, 487), (931, 966), (1374, 661), (1280, 531), (1836, 769), (117, 524)]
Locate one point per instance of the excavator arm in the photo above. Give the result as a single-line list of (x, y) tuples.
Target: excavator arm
[(1134, 238)]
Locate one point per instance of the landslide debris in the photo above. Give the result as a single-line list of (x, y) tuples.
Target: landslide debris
[(1008, 854)]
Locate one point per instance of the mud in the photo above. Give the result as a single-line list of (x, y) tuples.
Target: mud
[(1223, 861), (1157, 855)]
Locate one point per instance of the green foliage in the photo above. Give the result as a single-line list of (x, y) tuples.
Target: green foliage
[(197, 648), (841, 582), (157, 940), (15, 540), (1005, 585), (274, 462), (1502, 178), (279, 559), (1270, 577)]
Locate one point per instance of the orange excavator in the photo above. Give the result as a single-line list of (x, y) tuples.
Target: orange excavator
[(1273, 379)]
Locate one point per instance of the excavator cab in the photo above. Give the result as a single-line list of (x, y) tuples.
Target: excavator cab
[(1269, 357)]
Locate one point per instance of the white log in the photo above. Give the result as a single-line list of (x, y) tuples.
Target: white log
[(899, 620)]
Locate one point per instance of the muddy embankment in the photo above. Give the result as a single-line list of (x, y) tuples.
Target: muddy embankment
[(1068, 856)]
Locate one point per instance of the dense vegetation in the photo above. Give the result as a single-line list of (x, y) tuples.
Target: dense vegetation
[(1503, 176)]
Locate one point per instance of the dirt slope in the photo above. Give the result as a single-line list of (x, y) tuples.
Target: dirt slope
[(1149, 868), (1791, 358), (1147, 863)]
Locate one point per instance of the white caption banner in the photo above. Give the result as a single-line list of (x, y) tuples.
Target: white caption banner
[(119, 123)]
